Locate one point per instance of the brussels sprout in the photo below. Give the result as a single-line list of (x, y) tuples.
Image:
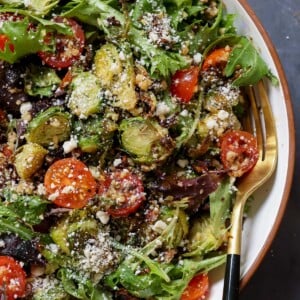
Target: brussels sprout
[(67, 233), (215, 124), (85, 97), (29, 159), (94, 134), (145, 140), (116, 75), (222, 98), (48, 288), (40, 80), (49, 127), (204, 237)]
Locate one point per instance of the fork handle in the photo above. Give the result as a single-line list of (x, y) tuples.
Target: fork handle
[(232, 277)]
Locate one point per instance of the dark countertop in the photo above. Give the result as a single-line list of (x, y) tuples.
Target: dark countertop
[(278, 277)]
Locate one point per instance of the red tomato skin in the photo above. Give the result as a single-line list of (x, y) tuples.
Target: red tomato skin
[(68, 48), (184, 83), (216, 58), (238, 147), (71, 182), (12, 278), (197, 289), (126, 185)]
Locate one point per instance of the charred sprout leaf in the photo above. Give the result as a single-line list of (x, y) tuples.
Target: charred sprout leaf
[(49, 127), (145, 140)]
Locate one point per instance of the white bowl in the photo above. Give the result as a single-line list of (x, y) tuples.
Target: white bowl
[(270, 201)]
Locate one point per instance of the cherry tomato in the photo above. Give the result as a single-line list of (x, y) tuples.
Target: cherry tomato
[(216, 58), (125, 190), (239, 152), (68, 47), (12, 278), (184, 83), (69, 183), (197, 288)]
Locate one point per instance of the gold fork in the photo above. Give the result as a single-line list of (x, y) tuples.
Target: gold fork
[(263, 127)]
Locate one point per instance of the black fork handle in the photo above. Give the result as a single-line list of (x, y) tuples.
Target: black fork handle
[(232, 277)]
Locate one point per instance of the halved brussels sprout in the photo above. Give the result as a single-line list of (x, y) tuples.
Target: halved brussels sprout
[(29, 159), (94, 134), (145, 140), (85, 98), (204, 237), (69, 233), (117, 75), (224, 97), (49, 127)]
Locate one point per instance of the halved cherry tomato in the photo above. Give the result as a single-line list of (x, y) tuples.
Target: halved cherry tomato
[(184, 83), (197, 288), (125, 190), (12, 278), (239, 152), (68, 47), (217, 58), (69, 183)]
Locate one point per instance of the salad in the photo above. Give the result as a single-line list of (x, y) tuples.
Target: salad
[(121, 138)]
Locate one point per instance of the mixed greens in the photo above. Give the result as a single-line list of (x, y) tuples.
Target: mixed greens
[(121, 138)]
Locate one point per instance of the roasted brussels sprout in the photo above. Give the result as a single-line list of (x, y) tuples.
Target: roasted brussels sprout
[(204, 237), (49, 127), (28, 159), (85, 97), (94, 134), (145, 140), (40, 81), (117, 75), (68, 234), (56, 292)]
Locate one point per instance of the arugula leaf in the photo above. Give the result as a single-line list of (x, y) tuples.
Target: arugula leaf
[(246, 57), (148, 285), (29, 208)]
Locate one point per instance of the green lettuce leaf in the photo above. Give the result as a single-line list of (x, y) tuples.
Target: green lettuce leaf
[(245, 56)]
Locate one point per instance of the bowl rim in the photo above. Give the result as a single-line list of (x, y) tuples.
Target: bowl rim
[(291, 126)]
